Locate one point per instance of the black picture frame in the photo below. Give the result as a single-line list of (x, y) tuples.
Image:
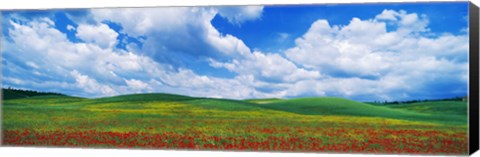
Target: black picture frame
[(474, 78)]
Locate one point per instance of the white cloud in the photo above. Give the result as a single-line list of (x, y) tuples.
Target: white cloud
[(90, 85), (140, 21), (406, 22), (401, 59), (331, 49), (240, 14), (388, 15), (89, 66), (188, 33), (365, 47), (138, 86), (227, 44), (87, 69), (100, 34), (271, 67), (197, 37), (361, 60), (70, 28)]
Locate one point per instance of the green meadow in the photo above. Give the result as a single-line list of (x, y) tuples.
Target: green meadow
[(168, 121)]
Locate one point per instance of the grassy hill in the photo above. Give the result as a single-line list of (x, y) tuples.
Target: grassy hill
[(340, 106), (147, 120), (325, 106), (264, 101), (435, 107), (224, 104), (429, 111), (144, 98)]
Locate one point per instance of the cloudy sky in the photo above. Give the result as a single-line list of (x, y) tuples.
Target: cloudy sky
[(362, 52)]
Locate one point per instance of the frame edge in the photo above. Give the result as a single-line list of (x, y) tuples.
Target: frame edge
[(473, 96)]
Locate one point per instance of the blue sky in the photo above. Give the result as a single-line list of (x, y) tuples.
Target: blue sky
[(366, 52), (276, 20)]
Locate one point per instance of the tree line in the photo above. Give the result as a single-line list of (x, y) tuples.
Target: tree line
[(27, 92), (460, 98)]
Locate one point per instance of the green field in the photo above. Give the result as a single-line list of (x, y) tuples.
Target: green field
[(167, 121)]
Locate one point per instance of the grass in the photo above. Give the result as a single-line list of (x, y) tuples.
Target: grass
[(224, 104), (264, 101), (345, 107), (144, 98), (335, 123), (435, 107)]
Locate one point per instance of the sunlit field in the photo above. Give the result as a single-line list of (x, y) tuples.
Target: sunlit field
[(164, 121)]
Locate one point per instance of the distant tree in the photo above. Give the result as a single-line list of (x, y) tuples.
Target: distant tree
[(28, 92)]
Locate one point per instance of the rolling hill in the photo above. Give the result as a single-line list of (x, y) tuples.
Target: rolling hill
[(144, 98), (340, 106), (328, 106), (264, 101), (435, 107)]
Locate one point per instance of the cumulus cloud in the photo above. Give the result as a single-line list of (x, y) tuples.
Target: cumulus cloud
[(188, 34), (193, 35), (49, 55), (362, 60), (240, 14), (138, 86), (406, 22), (364, 49), (101, 35), (388, 15), (140, 21), (268, 67), (92, 70), (90, 85), (70, 28)]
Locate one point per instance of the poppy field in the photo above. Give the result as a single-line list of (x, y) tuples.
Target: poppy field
[(165, 121)]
